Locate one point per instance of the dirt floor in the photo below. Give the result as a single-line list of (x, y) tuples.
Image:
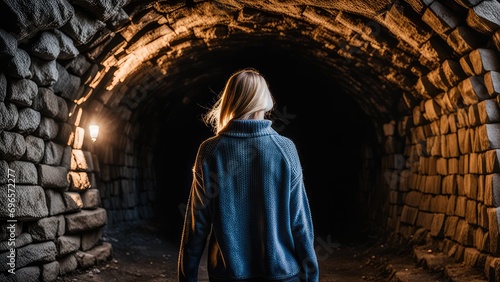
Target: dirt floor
[(141, 252)]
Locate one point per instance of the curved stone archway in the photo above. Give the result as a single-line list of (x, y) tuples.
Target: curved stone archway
[(408, 87)]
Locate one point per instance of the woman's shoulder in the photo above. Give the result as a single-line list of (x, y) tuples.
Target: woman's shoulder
[(285, 142), (209, 142)]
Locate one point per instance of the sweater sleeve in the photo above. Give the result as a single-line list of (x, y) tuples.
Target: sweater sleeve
[(197, 226), (301, 221), (303, 233)]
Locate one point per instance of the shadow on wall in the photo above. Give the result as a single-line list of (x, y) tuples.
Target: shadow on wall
[(311, 109)]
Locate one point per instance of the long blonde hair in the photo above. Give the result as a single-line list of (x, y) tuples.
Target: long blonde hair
[(246, 92)]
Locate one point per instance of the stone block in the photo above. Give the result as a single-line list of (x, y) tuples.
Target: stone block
[(433, 51), (89, 161), (61, 227), (22, 92), (48, 128), (412, 32), (91, 238), (45, 46), (471, 215), (73, 201), (67, 264), (85, 220), (440, 19), (6, 229), (460, 206), (18, 242), (67, 244), (409, 215), (482, 216), (92, 179), (470, 185), (12, 146), (11, 116), (482, 240), (82, 27), (68, 49), (91, 199), (78, 65), (463, 40), (492, 83), (63, 109), (28, 274), (484, 17), (44, 73), (450, 226), (40, 252), (9, 44), (66, 157), (493, 227), (488, 111), (66, 134), (19, 65), (492, 161), (484, 60), (85, 260), (55, 202), (67, 85), (24, 172), (79, 181), (424, 219), (39, 16), (102, 252), (46, 102), (8, 260), (35, 148), (44, 229), (53, 176), (8, 116), (78, 161), (53, 153), (473, 90), (50, 271), (495, 41), (79, 138), (425, 88), (4, 167), (463, 234), (30, 202)]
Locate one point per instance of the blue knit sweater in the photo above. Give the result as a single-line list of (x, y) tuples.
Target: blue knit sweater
[(248, 195)]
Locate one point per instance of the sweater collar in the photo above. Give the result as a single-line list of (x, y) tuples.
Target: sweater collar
[(248, 128)]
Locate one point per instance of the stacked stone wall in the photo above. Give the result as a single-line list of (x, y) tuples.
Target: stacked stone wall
[(444, 174), (53, 218)]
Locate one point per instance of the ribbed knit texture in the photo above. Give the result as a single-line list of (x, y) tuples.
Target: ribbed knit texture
[(248, 192)]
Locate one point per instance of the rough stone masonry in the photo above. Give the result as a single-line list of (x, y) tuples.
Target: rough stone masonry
[(426, 72)]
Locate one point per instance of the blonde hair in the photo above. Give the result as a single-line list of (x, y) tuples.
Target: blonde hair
[(246, 92)]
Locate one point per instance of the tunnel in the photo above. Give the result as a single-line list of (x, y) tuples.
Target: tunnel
[(303, 120), (393, 106)]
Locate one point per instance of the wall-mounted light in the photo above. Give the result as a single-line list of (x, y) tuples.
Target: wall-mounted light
[(94, 131)]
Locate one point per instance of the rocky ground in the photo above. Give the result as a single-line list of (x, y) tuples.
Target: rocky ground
[(141, 252)]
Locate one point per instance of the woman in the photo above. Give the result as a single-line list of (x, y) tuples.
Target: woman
[(248, 195)]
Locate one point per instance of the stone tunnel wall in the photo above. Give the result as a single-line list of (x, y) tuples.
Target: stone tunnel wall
[(60, 195), (53, 215), (442, 163), (439, 175)]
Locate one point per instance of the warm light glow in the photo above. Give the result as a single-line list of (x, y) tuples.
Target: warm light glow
[(94, 131)]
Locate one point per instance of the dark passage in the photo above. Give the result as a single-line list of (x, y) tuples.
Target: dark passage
[(326, 124)]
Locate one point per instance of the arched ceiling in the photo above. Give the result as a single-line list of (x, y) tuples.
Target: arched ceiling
[(376, 50), (379, 52)]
